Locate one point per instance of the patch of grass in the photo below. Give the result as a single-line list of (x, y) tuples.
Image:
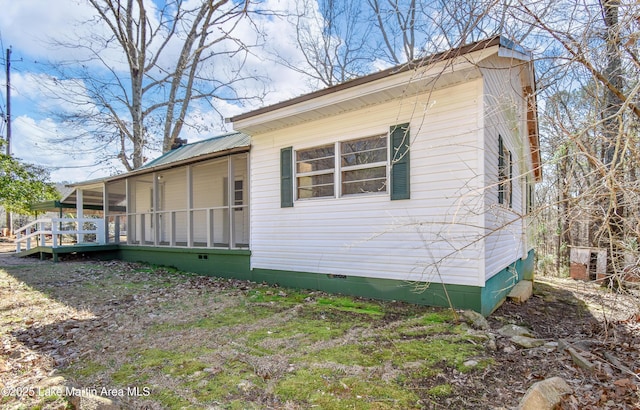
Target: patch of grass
[(348, 304), (451, 351), (276, 295), (299, 332), (236, 378), (88, 368), (441, 390), (351, 354), (232, 316), (169, 399), (145, 363), (328, 389)]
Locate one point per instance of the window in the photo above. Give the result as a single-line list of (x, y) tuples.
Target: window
[(353, 167), (363, 165), (315, 172), (505, 174)]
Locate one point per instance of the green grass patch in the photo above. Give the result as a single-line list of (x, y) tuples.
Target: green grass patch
[(298, 332), (441, 390), (236, 379), (329, 389), (87, 369), (276, 295), (232, 316), (347, 304), (145, 363)]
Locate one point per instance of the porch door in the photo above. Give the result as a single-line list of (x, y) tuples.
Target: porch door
[(239, 215)]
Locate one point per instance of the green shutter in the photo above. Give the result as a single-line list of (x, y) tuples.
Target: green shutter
[(400, 137), (500, 170), (286, 177)]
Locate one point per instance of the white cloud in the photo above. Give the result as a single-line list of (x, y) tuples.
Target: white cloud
[(29, 25)]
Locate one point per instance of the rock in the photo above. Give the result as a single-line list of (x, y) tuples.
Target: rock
[(527, 342), (50, 382), (514, 330), (87, 401), (470, 363), (580, 360), (545, 394), (521, 291), (475, 319)]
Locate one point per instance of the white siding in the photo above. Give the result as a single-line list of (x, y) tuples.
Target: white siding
[(434, 236), (505, 115)]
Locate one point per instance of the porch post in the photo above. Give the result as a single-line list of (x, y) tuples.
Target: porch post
[(231, 195), (131, 222), (189, 207), (79, 214), (154, 219), (105, 215)]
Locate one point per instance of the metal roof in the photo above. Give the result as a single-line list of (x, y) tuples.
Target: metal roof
[(196, 149)]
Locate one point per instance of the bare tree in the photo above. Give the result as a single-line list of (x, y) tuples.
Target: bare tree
[(593, 53), (332, 41), (144, 68)]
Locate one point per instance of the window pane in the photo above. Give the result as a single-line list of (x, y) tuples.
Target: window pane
[(369, 180), (364, 151), (315, 159), (314, 186)]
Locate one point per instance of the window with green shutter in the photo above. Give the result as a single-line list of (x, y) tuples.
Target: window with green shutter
[(505, 174), (400, 165)]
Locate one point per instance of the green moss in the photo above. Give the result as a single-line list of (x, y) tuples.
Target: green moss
[(348, 304), (431, 352), (232, 316), (441, 390), (278, 295), (88, 368), (144, 363), (228, 384), (329, 389), (170, 400), (351, 354), (299, 332)]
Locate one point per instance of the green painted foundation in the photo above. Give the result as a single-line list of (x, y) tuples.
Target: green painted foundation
[(236, 264), (226, 263)]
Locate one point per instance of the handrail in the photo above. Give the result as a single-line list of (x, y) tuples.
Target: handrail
[(43, 229)]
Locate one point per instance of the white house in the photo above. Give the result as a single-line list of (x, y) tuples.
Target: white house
[(413, 183)]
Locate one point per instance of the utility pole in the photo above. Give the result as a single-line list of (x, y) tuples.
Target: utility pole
[(8, 119), (8, 64)]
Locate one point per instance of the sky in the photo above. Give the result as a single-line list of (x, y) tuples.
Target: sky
[(28, 27)]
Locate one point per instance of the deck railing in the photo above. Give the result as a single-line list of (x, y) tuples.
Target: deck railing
[(55, 232)]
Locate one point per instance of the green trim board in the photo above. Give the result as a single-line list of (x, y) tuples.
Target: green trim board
[(226, 263)]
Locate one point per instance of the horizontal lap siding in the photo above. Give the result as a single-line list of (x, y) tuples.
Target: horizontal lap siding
[(505, 115), (372, 236)]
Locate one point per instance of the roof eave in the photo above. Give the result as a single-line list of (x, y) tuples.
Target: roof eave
[(360, 81)]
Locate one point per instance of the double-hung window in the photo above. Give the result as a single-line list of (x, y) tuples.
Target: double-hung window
[(315, 172), (505, 174), (362, 168), (363, 165)]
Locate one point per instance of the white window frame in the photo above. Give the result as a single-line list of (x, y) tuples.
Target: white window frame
[(328, 171), (377, 164), (338, 169)]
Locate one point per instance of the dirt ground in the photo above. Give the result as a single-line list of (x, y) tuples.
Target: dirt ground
[(49, 336)]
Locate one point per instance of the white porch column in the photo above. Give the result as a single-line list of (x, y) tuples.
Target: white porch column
[(189, 207), (79, 213), (105, 215)]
